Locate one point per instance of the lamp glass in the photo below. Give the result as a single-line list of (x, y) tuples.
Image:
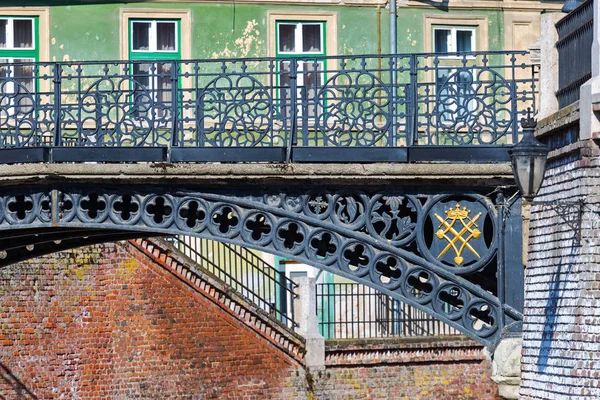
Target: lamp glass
[(521, 168), (539, 169), (528, 159)]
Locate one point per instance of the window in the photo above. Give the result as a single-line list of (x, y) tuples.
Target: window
[(452, 40), (18, 52), (298, 39), (453, 80), (153, 36), (153, 40)]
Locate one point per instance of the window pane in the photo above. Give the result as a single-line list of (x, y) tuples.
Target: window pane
[(141, 35), (287, 37), (3, 26), (141, 74), (23, 33), (442, 77), (311, 38), (312, 82), (463, 40), (4, 68), (24, 76), (284, 81), (165, 36), (141, 91), (311, 76), (164, 83), (441, 38)]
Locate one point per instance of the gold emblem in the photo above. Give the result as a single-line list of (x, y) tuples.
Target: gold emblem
[(468, 226)]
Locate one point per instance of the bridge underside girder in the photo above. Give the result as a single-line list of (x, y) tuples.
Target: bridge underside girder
[(23, 244), (445, 250)]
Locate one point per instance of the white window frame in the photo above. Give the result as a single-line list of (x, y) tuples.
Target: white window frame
[(18, 55), (299, 39), (298, 55), (153, 35), (452, 40), (10, 39)]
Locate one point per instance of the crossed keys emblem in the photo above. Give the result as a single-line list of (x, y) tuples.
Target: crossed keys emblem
[(458, 216)]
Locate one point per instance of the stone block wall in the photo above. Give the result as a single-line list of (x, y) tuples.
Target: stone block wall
[(561, 333), (114, 321)]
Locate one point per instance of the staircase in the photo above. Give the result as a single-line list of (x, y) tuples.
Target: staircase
[(202, 275)]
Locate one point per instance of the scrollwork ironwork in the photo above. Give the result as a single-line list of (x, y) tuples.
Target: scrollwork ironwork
[(375, 102), (235, 109), (356, 110), (473, 106), (321, 228)]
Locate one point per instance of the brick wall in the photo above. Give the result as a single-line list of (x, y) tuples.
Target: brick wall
[(110, 322), (445, 368), (562, 301), (97, 323)]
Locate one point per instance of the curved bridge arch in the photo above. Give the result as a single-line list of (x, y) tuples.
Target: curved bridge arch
[(421, 248)]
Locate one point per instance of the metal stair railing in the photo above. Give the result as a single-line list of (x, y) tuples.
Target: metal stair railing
[(352, 310), (245, 273)]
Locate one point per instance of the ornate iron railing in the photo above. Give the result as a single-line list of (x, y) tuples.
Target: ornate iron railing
[(352, 310), (371, 108), (245, 273), (574, 52)]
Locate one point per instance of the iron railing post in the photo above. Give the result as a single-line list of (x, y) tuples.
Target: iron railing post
[(304, 115), (393, 92), (413, 136), (514, 111), (501, 271), (293, 139), (174, 104), (57, 103)]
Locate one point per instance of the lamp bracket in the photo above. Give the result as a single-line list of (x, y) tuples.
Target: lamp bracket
[(570, 212)]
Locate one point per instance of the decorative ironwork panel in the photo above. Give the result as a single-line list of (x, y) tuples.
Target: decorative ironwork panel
[(231, 103), (418, 247), (346, 102), (26, 105), (116, 104), (355, 107), (472, 99)]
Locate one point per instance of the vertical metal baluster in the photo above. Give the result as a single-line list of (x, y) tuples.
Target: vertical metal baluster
[(332, 318), (174, 106), (293, 108), (57, 104), (514, 111), (501, 272), (413, 137), (199, 110), (392, 107)]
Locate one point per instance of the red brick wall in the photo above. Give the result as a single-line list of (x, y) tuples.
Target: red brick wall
[(105, 322), (447, 368), (96, 323)]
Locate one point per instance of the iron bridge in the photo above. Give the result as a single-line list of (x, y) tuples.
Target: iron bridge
[(449, 248)]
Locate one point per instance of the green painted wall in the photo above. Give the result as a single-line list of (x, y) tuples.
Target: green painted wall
[(91, 32)]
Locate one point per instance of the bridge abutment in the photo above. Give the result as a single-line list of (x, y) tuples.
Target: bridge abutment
[(562, 290), (506, 367), (308, 322)]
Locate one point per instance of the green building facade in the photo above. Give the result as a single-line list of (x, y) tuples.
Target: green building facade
[(79, 31)]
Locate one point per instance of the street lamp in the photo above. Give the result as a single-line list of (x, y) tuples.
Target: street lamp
[(528, 159)]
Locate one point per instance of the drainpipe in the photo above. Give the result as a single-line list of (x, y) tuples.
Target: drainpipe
[(393, 50), (393, 15)]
